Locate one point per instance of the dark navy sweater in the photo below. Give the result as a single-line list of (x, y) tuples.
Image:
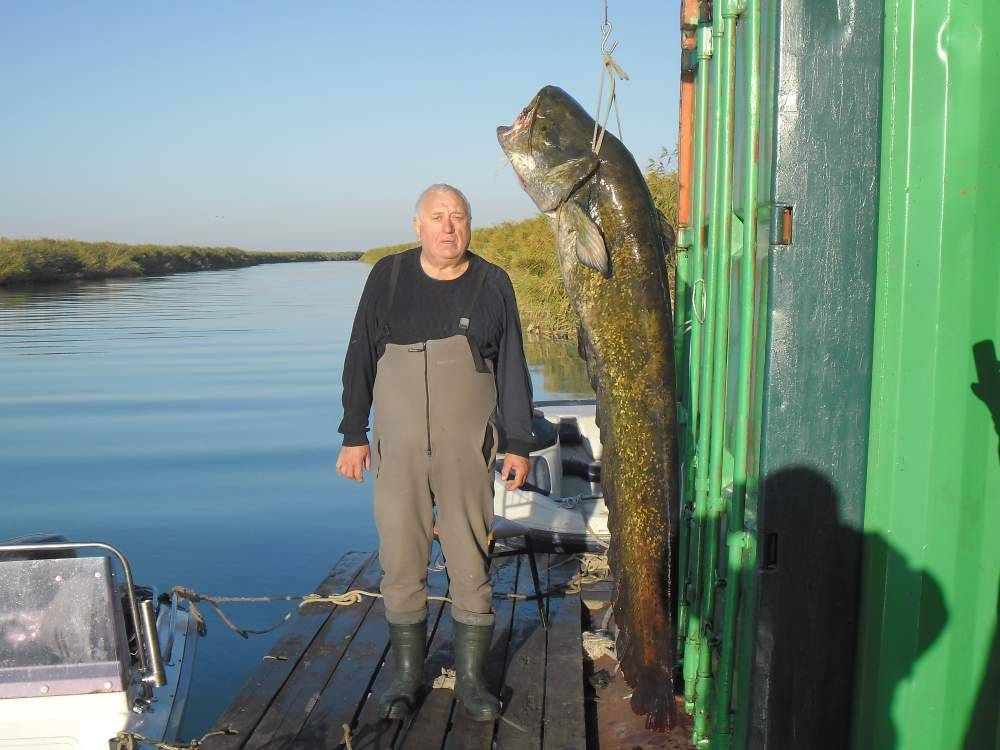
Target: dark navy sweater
[(424, 309)]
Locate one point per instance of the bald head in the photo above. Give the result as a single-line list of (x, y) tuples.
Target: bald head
[(437, 188), (442, 225)]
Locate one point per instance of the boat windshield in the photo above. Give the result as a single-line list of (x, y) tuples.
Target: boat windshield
[(59, 627)]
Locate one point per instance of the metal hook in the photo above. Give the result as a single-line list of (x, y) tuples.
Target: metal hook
[(606, 31)]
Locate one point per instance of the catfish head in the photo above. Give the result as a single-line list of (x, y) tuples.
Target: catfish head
[(549, 146)]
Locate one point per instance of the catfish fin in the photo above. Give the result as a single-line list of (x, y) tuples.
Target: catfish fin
[(590, 247), (586, 352), (570, 174), (667, 233), (582, 342)]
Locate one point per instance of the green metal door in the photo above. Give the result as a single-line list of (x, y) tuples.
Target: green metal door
[(929, 654)]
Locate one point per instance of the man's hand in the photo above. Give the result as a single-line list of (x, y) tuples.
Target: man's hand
[(516, 464), (354, 461)]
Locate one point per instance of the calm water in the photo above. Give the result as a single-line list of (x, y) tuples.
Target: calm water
[(191, 421)]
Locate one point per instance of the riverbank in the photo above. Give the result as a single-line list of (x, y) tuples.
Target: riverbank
[(45, 260)]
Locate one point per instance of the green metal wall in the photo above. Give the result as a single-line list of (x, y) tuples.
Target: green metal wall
[(722, 285), (929, 656), (817, 359)]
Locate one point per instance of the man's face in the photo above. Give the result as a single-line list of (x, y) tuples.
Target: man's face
[(442, 226)]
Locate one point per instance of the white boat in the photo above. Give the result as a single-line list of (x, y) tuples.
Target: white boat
[(84, 653), (561, 504)]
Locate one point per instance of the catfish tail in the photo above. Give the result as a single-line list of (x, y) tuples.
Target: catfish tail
[(653, 697), (645, 642), (652, 684)]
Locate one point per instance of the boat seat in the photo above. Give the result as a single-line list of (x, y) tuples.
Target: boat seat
[(544, 434), (543, 476), (502, 530)]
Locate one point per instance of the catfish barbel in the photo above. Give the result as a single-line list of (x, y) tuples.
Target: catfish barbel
[(612, 257)]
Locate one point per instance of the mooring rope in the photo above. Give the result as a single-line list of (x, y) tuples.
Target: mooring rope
[(193, 597), (127, 740), (593, 569), (353, 597)]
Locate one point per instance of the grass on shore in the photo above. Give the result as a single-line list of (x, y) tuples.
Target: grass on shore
[(526, 250), (30, 261)]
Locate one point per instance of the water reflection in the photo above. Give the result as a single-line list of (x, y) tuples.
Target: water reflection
[(562, 370)]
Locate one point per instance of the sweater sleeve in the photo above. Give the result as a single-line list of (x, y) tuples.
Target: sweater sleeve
[(360, 361), (513, 382)]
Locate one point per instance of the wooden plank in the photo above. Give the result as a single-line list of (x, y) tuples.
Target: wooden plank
[(254, 698), (340, 700), (564, 727), (521, 726), (300, 693), (465, 733), (369, 732)]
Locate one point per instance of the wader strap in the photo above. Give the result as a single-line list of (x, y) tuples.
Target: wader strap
[(465, 321), (397, 259)]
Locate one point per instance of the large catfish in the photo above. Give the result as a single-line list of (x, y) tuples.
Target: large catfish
[(612, 255)]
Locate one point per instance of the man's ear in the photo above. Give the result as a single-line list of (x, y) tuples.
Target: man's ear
[(416, 227)]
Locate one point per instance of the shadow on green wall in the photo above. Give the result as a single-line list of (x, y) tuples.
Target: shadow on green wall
[(987, 389), (807, 624), (927, 604), (984, 724)]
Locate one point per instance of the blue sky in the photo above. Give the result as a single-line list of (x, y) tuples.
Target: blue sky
[(296, 125)]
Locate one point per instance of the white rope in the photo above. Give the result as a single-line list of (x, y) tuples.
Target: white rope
[(127, 740), (593, 569), (445, 680), (352, 597), (598, 643)]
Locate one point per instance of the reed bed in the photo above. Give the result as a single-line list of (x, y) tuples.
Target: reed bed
[(43, 260)]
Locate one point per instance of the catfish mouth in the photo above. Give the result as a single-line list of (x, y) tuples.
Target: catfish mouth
[(519, 132), (523, 123)]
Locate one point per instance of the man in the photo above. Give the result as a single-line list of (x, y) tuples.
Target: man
[(436, 344)]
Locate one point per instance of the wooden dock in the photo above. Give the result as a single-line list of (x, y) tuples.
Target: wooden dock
[(329, 668)]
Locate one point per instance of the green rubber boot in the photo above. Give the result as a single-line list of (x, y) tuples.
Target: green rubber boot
[(472, 645), (408, 643)]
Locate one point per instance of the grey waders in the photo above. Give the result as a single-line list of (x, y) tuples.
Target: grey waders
[(434, 445)]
